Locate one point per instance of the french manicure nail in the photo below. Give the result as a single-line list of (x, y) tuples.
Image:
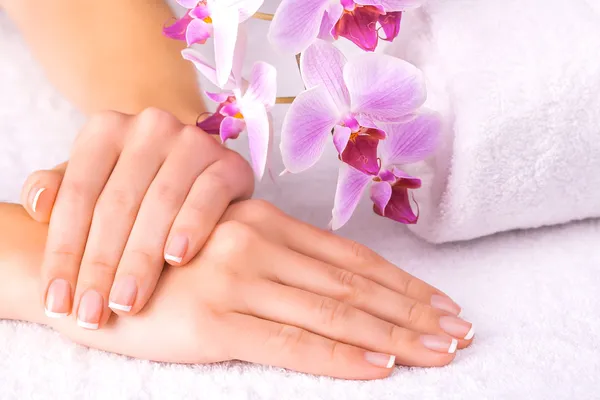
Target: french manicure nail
[(380, 360), (122, 295), (440, 343), (176, 249), (90, 310), (457, 327), (34, 197), (445, 303), (58, 299)]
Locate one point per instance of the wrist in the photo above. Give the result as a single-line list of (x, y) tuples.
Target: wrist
[(21, 246)]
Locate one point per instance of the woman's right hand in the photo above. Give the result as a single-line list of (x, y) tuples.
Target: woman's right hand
[(271, 290)]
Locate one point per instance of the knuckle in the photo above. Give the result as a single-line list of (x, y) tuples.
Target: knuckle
[(167, 194), (118, 200), (348, 281), (220, 185), (144, 257), (414, 313), (153, 120), (99, 266), (104, 123), (232, 238), (360, 251), (332, 311), (74, 191), (407, 285), (287, 339)]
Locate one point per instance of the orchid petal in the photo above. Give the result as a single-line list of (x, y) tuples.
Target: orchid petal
[(263, 85), (373, 3), (384, 87), (411, 141), (225, 27), (217, 97), (350, 187), (341, 135), (323, 64), (189, 4), (381, 193), (390, 23), (211, 124), (177, 30), (200, 12), (296, 24), (360, 27), (406, 180), (231, 128), (230, 110), (257, 126), (398, 5), (361, 153), (399, 208), (330, 19), (239, 56), (306, 128), (197, 31), (204, 67)]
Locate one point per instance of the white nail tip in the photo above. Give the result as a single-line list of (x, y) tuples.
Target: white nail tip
[(391, 362), (453, 346), (173, 258), (471, 333), (87, 325), (55, 314), (36, 198), (119, 307)]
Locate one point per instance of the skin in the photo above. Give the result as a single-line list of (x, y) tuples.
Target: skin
[(115, 191), (337, 309), (333, 305)]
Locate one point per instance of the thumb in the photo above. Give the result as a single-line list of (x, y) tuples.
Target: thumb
[(40, 190)]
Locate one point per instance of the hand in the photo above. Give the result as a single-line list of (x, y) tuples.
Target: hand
[(269, 289), (138, 190)]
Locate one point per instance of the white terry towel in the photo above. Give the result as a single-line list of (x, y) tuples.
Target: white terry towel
[(518, 83)]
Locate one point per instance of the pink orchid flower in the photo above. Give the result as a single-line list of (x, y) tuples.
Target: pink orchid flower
[(244, 105), (349, 100), (406, 143), (297, 24), (219, 19)]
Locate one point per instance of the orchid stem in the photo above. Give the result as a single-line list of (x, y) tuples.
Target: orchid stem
[(285, 100), (263, 16)]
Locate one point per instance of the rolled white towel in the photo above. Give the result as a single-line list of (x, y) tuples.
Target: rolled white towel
[(518, 83)]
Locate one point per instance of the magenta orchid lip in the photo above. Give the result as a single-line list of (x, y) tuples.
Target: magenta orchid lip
[(370, 107)]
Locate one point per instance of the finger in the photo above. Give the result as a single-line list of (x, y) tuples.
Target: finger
[(342, 253), (229, 179), (40, 190), (271, 343), (150, 139), (94, 155), (317, 277), (143, 260), (339, 321)]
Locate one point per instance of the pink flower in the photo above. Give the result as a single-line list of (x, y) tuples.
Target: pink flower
[(245, 105), (406, 143), (298, 23), (216, 18), (350, 100)]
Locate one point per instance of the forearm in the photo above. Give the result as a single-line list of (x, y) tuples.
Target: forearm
[(110, 54)]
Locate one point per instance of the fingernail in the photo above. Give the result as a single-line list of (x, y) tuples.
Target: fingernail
[(122, 295), (176, 248), (440, 343), (457, 327), (34, 197), (58, 299), (380, 360), (445, 303), (90, 310)]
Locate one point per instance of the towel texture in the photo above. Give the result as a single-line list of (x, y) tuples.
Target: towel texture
[(532, 295), (518, 83)]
